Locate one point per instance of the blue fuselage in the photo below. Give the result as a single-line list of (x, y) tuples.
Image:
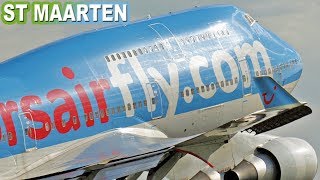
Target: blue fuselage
[(127, 75)]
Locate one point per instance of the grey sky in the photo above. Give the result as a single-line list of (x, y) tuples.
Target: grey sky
[(293, 20)]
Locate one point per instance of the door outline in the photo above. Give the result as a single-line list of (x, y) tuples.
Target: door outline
[(246, 91), (154, 93), (245, 72), (25, 128), (171, 40)]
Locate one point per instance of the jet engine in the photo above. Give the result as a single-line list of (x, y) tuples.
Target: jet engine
[(280, 158)]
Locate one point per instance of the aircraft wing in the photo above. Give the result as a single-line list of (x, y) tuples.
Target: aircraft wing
[(124, 151)]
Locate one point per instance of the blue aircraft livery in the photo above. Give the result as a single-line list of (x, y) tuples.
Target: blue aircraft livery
[(148, 72)]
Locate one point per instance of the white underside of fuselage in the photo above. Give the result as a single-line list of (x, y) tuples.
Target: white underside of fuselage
[(199, 121)]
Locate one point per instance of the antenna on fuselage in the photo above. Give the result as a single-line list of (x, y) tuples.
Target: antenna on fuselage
[(196, 4)]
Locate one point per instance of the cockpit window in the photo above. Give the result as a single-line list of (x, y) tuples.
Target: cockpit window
[(249, 19)]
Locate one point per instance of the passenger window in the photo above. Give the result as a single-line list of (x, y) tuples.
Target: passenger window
[(124, 55), (257, 73), (198, 90), (102, 113), (236, 80), (135, 52), (209, 35), (129, 53), (231, 82), (218, 33), (10, 134), (217, 85), (214, 35), (134, 105), (151, 49), (107, 58), (47, 126), (208, 87), (203, 36), (161, 46), (222, 84), (187, 93), (124, 108), (140, 51), (146, 50), (118, 56), (202, 88), (97, 114), (91, 115), (113, 58), (129, 107), (63, 122), (74, 120), (269, 71), (182, 41), (156, 48), (227, 83), (85, 117), (145, 102), (188, 40), (281, 66), (193, 39), (212, 86), (153, 100)]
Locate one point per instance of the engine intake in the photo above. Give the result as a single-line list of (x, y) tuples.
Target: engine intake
[(280, 158)]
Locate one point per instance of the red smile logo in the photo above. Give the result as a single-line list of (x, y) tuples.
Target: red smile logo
[(268, 101)]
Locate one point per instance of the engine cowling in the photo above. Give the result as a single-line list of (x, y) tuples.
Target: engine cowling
[(280, 158)]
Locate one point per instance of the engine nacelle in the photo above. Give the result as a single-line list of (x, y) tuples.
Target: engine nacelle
[(280, 158)]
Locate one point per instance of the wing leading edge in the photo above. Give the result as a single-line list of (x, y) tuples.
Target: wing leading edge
[(106, 150)]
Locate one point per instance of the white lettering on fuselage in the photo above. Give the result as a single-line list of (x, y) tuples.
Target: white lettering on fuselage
[(171, 91), (219, 59), (122, 81), (195, 63), (143, 78)]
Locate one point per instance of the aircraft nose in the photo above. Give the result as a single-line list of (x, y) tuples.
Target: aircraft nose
[(297, 55)]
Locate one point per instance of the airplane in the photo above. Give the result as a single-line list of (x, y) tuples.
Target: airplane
[(188, 95)]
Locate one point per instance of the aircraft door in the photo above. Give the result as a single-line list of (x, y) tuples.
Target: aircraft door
[(155, 99), (246, 82), (28, 131), (245, 77), (168, 40)]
